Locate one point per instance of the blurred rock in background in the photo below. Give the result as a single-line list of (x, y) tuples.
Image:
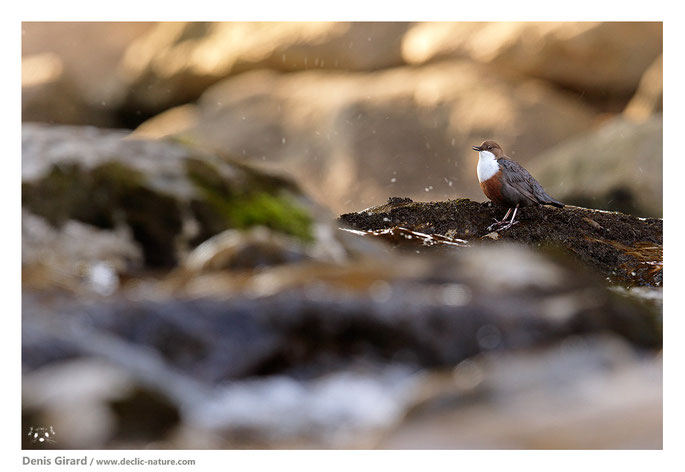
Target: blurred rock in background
[(89, 54), (650, 94), (604, 60), (357, 111), (355, 137), (176, 62), (49, 95), (628, 177)]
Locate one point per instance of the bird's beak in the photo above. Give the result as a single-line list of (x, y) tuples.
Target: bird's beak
[(475, 148)]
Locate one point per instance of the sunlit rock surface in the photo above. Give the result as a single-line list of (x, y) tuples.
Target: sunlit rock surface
[(50, 94), (565, 53), (628, 177), (350, 139), (175, 62), (88, 90), (649, 97)]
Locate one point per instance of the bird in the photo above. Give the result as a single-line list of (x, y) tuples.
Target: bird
[(505, 182)]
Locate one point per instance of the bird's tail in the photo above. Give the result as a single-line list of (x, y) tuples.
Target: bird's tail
[(555, 203)]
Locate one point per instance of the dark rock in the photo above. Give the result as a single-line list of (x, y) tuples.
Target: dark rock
[(621, 247)]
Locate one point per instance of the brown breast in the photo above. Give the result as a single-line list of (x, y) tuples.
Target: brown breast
[(492, 188)]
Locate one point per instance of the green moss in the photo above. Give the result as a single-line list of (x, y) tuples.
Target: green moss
[(258, 202), (253, 209)]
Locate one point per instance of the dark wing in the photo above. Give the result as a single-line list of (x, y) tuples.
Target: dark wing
[(521, 180)]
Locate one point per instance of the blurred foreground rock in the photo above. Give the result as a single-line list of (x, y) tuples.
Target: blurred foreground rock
[(276, 368), (585, 393), (570, 396)]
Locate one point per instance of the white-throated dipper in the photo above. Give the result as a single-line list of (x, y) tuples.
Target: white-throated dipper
[(507, 183)]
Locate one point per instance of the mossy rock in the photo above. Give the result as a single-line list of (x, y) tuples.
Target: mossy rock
[(157, 188), (256, 202), (104, 196)]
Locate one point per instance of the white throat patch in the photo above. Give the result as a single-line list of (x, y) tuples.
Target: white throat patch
[(487, 165)]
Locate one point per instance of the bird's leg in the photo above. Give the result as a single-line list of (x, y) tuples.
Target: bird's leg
[(499, 222), (511, 222)]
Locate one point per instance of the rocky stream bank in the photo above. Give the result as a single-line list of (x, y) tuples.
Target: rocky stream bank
[(175, 298)]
